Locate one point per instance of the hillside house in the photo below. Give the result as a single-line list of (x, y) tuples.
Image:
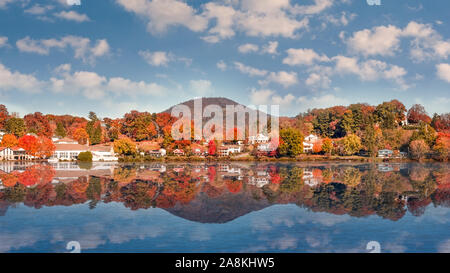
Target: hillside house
[(259, 138)]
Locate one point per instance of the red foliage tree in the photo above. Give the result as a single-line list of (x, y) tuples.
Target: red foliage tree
[(417, 113), (30, 144)]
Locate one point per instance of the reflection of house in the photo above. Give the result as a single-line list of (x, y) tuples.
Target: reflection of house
[(6, 153), (259, 138), (385, 153), (309, 179), (385, 168)]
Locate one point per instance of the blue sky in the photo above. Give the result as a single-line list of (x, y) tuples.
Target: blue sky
[(112, 56)]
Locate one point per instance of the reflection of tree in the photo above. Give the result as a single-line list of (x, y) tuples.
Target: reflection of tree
[(337, 189)]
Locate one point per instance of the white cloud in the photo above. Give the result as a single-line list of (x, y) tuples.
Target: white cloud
[(261, 97), (201, 87), (81, 46), (13, 80), (222, 65), (283, 101), (224, 16), (249, 70), (94, 86), (303, 57), (161, 14), (3, 41), (317, 7), (286, 79), (157, 58), (324, 101), (426, 43), (371, 70), (270, 48), (384, 41), (162, 58), (443, 72), (4, 3), (38, 9), (72, 16), (247, 48), (318, 80)]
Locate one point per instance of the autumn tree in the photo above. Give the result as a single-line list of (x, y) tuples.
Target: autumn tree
[(351, 144), (418, 149), (327, 146), (139, 126), (9, 140), (4, 115), (30, 144), (81, 136), (425, 132), (125, 146), (38, 124), (15, 126), (46, 148), (390, 114), (418, 114), (441, 122), (212, 148), (442, 146), (291, 142)]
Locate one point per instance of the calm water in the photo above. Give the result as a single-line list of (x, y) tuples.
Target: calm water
[(254, 207)]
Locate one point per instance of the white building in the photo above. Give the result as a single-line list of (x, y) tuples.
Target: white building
[(308, 143), (1, 135), (6, 153), (230, 149), (311, 138), (259, 138), (307, 147), (103, 153)]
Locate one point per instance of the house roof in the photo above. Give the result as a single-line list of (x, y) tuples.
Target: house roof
[(148, 145), (70, 147), (100, 148), (65, 139), (3, 148)]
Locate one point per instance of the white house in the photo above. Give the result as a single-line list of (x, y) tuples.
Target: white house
[(307, 147), (311, 138), (6, 153), (103, 153), (68, 151), (1, 135), (230, 149), (259, 138)]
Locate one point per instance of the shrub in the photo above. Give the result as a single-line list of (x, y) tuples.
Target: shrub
[(85, 157)]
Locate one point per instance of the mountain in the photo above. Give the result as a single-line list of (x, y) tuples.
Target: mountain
[(221, 102)]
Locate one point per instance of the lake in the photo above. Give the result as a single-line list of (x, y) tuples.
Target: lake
[(221, 207)]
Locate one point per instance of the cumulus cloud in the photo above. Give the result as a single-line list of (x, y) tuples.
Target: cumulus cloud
[(247, 48), (443, 71), (3, 41), (14, 80), (305, 103), (261, 97), (426, 43), (249, 70), (4, 3), (303, 56), (286, 79), (83, 47), (370, 70), (72, 16), (224, 16), (38, 9), (94, 86), (222, 65), (161, 14), (162, 58), (201, 87)]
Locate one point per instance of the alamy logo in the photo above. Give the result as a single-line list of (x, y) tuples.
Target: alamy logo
[(74, 2), (374, 2)]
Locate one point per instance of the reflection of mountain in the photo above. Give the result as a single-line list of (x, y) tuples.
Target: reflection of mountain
[(221, 209), (219, 193)]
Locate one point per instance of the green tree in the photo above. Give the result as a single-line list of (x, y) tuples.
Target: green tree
[(425, 132), (351, 144), (60, 130), (291, 143), (15, 126)]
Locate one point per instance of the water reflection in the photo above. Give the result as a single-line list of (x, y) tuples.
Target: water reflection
[(219, 193)]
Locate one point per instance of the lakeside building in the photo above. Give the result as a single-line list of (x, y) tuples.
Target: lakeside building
[(178, 152), (258, 139), (308, 143), (229, 149), (6, 153), (385, 153), (67, 149)]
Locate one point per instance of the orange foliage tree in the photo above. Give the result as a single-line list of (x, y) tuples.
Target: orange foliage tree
[(30, 144), (9, 140), (81, 135)]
